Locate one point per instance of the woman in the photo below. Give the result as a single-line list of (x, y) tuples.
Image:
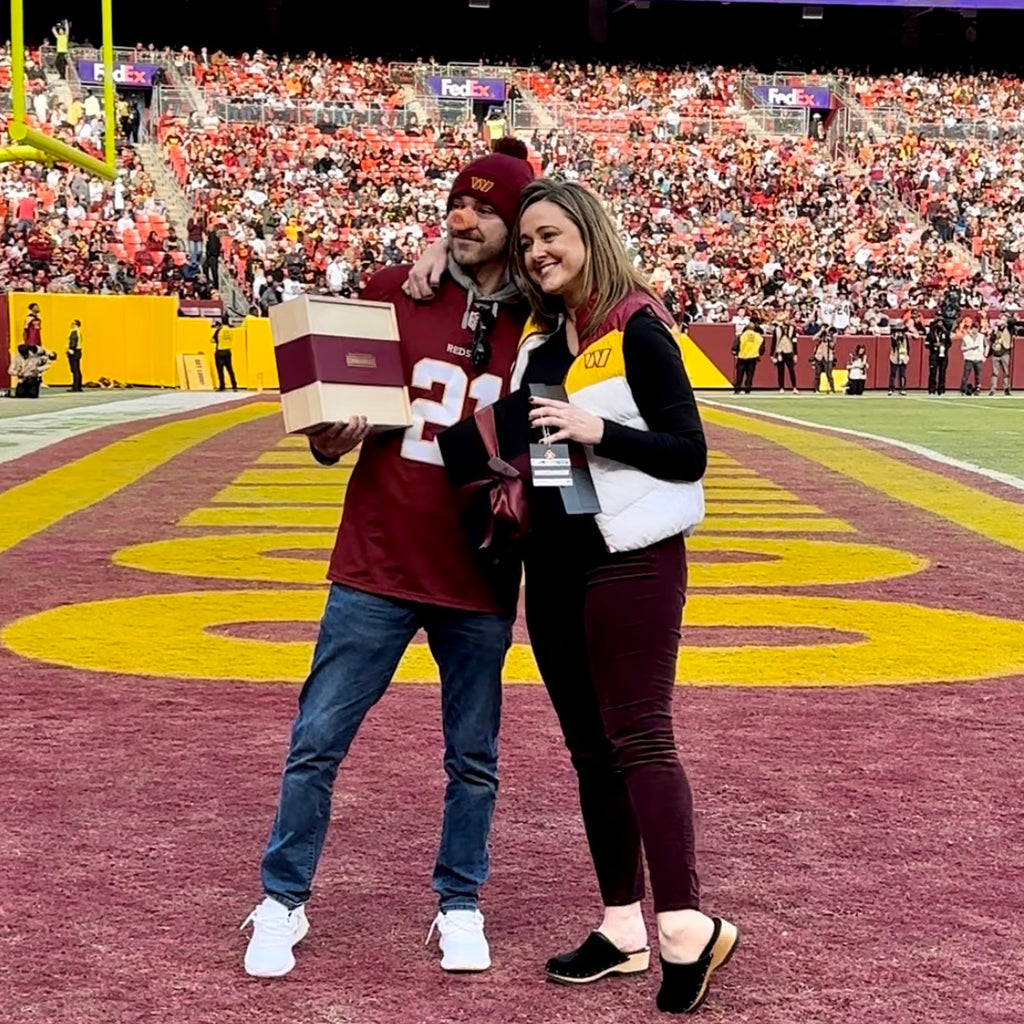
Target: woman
[(784, 351), (899, 356), (823, 359), (857, 371), (605, 594)]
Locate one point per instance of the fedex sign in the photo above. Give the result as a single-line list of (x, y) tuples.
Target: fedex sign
[(792, 96), (466, 88), (130, 76)]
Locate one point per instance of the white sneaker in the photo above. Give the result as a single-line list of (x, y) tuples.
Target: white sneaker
[(462, 940), (275, 930)]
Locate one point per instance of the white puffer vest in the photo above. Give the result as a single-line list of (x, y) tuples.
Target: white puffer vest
[(637, 510)]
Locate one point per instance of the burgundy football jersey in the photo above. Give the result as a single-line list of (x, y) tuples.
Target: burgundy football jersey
[(401, 533)]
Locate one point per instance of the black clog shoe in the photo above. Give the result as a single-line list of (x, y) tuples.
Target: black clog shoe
[(595, 959), (685, 986)]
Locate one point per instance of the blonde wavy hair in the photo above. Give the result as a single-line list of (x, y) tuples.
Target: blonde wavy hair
[(608, 276)]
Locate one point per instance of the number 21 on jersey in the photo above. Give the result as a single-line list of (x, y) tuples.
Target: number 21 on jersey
[(484, 390)]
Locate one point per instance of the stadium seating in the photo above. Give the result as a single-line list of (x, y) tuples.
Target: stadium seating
[(729, 220)]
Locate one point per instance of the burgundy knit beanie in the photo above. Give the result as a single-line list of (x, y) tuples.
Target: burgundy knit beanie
[(498, 178)]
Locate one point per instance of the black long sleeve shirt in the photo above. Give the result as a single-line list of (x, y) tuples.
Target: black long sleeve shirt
[(672, 448)]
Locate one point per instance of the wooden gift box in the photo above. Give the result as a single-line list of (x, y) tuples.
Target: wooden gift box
[(338, 358)]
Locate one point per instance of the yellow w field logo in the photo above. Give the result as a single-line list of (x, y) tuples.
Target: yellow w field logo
[(481, 184)]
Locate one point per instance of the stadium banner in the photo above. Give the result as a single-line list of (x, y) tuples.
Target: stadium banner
[(456, 88), (808, 96), (128, 76)]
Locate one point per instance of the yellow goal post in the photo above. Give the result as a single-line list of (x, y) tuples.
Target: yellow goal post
[(34, 145)]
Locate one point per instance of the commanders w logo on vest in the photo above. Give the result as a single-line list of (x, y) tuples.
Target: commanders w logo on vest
[(596, 359), (481, 184)]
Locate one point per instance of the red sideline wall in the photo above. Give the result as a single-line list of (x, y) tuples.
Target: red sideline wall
[(5, 343), (716, 340)]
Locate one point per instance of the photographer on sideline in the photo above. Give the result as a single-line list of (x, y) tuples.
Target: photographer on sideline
[(1000, 347)]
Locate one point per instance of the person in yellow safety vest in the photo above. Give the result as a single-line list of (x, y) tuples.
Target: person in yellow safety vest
[(748, 349), (62, 34), (495, 126), (223, 337)]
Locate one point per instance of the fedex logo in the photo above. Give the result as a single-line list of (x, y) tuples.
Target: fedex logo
[(137, 75), (467, 88), (792, 96), (789, 97)]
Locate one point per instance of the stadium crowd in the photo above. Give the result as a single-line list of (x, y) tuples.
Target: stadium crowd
[(725, 221)]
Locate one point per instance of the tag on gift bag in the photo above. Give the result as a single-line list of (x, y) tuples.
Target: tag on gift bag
[(550, 465), (567, 469)]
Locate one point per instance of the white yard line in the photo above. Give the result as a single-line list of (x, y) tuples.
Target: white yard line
[(974, 403), (925, 453), (23, 435)]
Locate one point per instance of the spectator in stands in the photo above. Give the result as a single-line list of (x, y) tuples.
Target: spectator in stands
[(195, 231), (211, 263), (62, 38)]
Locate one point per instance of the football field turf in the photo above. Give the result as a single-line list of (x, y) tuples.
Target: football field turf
[(849, 711), (986, 431)]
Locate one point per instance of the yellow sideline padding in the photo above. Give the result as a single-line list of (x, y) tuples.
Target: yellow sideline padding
[(136, 339)]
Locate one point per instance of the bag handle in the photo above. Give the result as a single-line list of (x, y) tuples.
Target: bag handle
[(488, 431)]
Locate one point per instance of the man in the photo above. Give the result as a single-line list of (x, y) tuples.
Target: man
[(1000, 347), (784, 352), (402, 562), (748, 349), (223, 337), (62, 38), (211, 264), (937, 342), (75, 354), (972, 344)]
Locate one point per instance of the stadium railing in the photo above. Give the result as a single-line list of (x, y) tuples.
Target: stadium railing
[(406, 74), (168, 102), (176, 103)]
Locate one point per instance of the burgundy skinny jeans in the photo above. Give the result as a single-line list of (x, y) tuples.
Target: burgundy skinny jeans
[(605, 633)]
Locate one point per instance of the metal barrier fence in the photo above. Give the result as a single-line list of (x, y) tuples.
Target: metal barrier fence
[(791, 121), (176, 103), (406, 74), (170, 102)]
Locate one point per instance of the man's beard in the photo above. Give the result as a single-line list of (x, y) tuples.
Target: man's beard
[(480, 252)]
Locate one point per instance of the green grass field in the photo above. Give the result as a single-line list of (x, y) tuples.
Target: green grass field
[(985, 431)]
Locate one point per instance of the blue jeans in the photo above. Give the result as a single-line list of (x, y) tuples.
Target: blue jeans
[(362, 639)]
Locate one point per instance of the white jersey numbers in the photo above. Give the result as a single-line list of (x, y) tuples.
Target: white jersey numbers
[(426, 374)]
